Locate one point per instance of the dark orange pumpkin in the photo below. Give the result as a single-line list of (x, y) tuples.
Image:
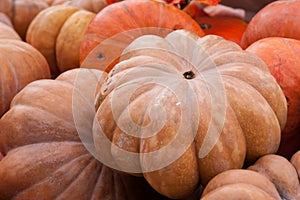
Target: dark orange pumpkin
[(230, 28), (279, 18), (282, 58), (140, 17)]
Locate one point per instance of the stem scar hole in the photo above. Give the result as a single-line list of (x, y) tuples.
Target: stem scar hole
[(189, 75), (100, 56), (205, 26)]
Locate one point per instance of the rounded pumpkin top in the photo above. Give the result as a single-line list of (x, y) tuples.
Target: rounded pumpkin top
[(141, 17), (174, 104)]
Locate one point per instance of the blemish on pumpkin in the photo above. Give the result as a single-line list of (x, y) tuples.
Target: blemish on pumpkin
[(100, 56), (189, 75), (205, 26)]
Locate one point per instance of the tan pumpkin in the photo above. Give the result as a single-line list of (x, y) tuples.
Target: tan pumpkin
[(59, 41), (20, 65), (181, 109), (281, 172), (22, 12), (44, 157), (240, 184)]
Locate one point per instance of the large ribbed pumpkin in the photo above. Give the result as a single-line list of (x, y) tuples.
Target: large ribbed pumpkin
[(182, 109), (130, 19), (60, 40), (44, 157), (282, 58), (20, 65)]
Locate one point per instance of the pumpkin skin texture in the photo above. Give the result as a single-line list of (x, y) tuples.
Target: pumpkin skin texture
[(233, 179), (151, 58), (44, 156), (282, 58), (277, 19), (281, 172), (4, 19), (295, 160), (7, 32), (59, 40), (129, 15), (20, 65)]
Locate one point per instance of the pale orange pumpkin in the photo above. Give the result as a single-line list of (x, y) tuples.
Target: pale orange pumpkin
[(44, 157), (160, 96), (20, 65), (21, 13)]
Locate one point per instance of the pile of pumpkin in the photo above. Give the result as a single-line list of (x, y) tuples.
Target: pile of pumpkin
[(148, 100)]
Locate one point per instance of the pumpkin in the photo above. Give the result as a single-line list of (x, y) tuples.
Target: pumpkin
[(281, 172), (126, 20), (156, 109), (282, 58), (44, 157), (60, 40), (240, 184), (8, 32), (5, 20), (20, 65), (22, 13), (295, 160), (230, 28), (195, 9), (277, 19)]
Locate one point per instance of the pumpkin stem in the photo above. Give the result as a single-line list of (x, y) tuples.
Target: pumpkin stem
[(189, 75)]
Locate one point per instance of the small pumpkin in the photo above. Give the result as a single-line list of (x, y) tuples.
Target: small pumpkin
[(276, 19), (240, 184), (162, 91), (130, 19), (282, 58), (44, 157), (60, 40), (20, 65), (281, 172)]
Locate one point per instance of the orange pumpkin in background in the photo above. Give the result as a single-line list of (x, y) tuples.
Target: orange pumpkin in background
[(230, 28), (130, 19), (282, 58), (21, 13), (276, 19), (60, 40)]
